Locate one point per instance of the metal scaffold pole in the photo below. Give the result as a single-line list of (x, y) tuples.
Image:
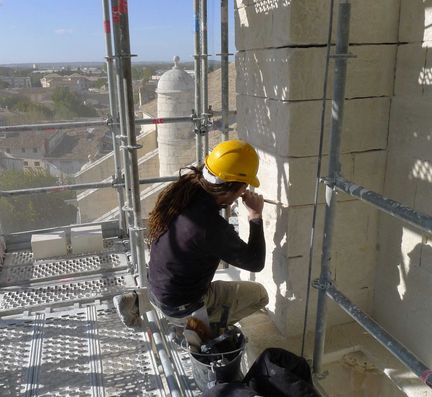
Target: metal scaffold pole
[(341, 55), (114, 115), (224, 70), (123, 56), (122, 120), (197, 67), (204, 77), (226, 212)]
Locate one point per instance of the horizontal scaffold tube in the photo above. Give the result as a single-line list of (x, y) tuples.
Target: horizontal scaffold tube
[(163, 355), (90, 123), (81, 186), (389, 206), (381, 335)]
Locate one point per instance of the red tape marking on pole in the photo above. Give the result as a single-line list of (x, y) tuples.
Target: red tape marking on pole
[(158, 121), (123, 6), (116, 15), (425, 375), (107, 26)]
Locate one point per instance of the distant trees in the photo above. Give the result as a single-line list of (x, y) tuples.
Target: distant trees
[(100, 82), (68, 105), (143, 73), (29, 111), (35, 211)]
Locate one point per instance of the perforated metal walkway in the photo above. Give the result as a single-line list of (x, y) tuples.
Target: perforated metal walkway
[(60, 335)]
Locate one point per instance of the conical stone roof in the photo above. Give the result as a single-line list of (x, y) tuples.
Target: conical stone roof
[(175, 80)]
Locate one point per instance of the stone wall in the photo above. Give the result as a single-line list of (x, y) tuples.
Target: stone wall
[(104, 167), (404, 270), (94, 203), (280, 74)]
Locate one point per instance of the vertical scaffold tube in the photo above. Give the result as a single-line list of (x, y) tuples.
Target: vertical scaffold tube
[(121, 18), (197, 67), (122, 120), (114, 115), (342, 41), (224, 70), (204, 76)]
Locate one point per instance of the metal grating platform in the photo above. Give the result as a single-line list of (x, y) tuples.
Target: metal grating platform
[(20, 269), (67, 292), (80, 352), (60, 335), (25, 257)]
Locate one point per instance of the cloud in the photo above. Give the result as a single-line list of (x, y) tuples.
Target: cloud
[(61, 31)]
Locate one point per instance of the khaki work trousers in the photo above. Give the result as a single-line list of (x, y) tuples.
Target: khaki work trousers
[(242, 298)]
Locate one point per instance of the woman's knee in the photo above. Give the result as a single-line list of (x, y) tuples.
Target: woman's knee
[(264, 298)]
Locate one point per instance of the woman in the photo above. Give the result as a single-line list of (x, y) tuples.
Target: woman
[(188, 239)]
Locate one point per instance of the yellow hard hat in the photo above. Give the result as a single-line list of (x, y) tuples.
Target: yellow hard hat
[(234, 161)]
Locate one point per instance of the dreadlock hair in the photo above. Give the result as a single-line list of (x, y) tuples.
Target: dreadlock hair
[(177, 196)]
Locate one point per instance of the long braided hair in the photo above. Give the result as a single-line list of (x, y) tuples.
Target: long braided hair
[(177, 196)]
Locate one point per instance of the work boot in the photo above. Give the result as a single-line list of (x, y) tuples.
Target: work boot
[(127, 307)]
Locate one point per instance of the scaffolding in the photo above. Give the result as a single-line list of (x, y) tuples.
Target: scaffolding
[(334, 181), (113, 268), (122, 124)]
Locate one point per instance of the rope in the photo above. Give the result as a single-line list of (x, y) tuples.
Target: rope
[(318, 174)]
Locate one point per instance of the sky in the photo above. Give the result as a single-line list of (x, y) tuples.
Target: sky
[(44, 31)]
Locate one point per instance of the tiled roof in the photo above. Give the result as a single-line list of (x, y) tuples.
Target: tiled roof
[(26, 139)]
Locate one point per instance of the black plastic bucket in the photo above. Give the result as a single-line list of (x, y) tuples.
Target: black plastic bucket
[(218, 367)]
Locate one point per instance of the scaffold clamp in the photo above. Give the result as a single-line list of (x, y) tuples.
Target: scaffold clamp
[(318, 284), (131, 147)]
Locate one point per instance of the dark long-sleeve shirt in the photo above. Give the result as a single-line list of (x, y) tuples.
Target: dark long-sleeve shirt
[(185, 258)]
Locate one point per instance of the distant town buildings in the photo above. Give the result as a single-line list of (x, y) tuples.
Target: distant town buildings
[(74, 81), (58, 152), (17, 82)]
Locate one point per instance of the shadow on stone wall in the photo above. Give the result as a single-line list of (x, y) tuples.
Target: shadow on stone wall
[(403, 275)]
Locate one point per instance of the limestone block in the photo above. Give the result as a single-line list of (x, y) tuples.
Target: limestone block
[(285, 73), (288, 295), (422, 174), (293, 128), (425, 75), (264, 24), (403, 176), (287, 234), (411, 74), (403, 281), (410, 127), (372, 72), (85, 239), (292, 181), (48, 245), (282, 73), (366, 169), (415, 21)]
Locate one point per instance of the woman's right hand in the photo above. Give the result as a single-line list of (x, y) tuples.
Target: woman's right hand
[(254, 202)]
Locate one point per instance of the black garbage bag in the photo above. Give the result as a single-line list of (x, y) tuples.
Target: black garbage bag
[(275, 373), (280, 373)]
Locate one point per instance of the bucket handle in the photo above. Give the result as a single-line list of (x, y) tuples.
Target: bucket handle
[(185, 348)]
